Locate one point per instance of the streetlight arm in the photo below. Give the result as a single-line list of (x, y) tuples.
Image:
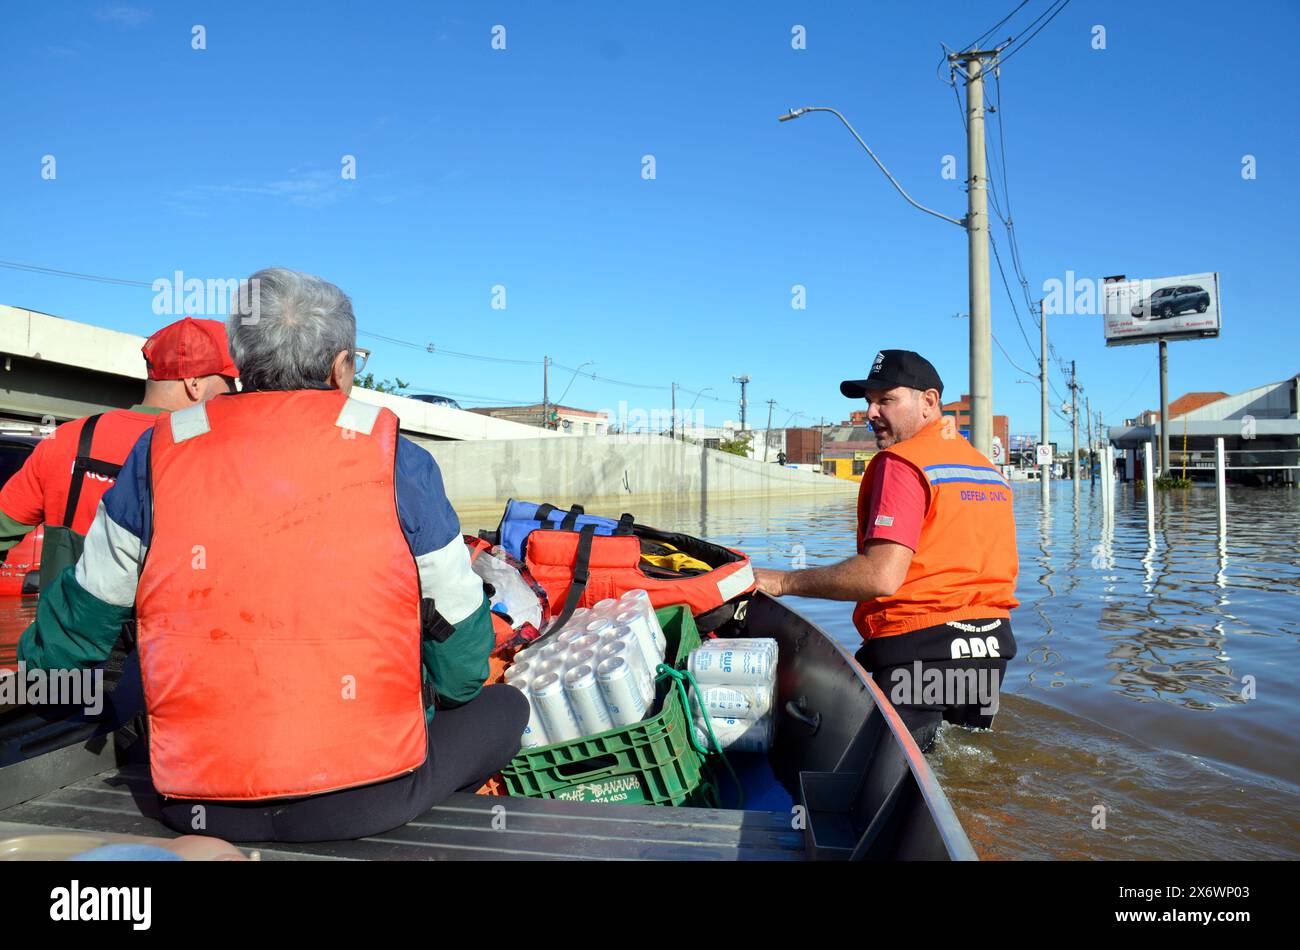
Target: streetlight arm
[(795, 113)]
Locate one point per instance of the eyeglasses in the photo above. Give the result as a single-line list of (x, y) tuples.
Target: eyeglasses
[(359, 358)]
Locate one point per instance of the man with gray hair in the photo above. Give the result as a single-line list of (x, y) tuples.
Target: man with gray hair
[(304, 598)]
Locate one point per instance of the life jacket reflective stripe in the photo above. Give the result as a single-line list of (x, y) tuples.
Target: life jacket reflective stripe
[(279, 603), (614, 567), (965, 564)]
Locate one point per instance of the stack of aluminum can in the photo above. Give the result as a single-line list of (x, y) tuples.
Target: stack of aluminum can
[(737, 690), (593, 674)]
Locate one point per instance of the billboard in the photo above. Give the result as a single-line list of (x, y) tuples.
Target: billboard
[(1172, 308)]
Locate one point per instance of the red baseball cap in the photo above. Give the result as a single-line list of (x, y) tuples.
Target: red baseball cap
[(189, 347)]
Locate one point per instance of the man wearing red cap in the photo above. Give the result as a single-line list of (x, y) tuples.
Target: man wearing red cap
[(63, 480)]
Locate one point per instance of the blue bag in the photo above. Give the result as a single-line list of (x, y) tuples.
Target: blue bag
[(522, 518)]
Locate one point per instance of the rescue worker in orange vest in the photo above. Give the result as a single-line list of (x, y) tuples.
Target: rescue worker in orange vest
[(62, 481), (935, 572), (305, 599)]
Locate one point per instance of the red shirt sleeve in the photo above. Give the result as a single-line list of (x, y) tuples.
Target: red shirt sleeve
[(897, 504), (23, 496)]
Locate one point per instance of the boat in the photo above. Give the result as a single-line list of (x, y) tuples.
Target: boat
[(861, 788)]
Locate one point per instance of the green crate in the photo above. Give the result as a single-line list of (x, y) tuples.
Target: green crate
[(651, 762)]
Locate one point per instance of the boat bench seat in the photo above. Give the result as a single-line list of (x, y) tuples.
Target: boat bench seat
[(465, 827)]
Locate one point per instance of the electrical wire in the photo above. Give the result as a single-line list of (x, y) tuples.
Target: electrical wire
[(1061, 5), (55, 272)]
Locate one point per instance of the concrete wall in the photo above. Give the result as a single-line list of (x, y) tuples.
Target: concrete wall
[(613, 470)]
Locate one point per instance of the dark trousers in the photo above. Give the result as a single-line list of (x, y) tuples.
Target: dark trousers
[(467, 745), (893, 661)]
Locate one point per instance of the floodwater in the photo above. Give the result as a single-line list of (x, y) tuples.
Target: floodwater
[(1156, 684)]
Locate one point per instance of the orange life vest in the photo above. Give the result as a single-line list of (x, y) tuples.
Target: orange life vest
[(279, 603), (965, 564), (611, 566)]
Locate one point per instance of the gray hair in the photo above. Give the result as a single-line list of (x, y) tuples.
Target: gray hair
[(286, 328)]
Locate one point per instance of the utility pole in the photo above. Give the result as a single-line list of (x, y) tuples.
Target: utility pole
[(744, 381), (546, 393), (1044, 470), (672, 423), (767, 433), (977, 232), (1164, 408), (1074, 423), (1092, 446)]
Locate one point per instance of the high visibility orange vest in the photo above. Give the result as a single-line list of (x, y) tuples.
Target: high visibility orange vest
[(279, 603), (965, 564)]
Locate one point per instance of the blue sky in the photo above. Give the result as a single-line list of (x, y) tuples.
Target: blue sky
[(522, 168)]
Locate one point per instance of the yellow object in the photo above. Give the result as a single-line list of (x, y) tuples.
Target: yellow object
[(676, 561)]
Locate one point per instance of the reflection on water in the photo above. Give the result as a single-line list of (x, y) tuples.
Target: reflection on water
[(15, 614), (1157, 676)]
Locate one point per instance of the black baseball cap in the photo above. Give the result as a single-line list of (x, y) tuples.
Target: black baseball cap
[(895, 368)]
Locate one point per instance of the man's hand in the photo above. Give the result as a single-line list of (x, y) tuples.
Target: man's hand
[(877, 573), (769, 581)]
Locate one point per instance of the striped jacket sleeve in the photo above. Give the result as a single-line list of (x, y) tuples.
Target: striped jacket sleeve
[(79, 618), (457, 666)]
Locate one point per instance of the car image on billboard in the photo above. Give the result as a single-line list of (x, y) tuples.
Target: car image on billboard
[(1184, 307)]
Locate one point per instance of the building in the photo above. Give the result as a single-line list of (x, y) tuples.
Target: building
[(564, 419), (846, 450), (960, 411), (1260, 428)]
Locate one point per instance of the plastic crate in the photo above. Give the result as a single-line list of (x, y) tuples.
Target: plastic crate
[(651, 762)]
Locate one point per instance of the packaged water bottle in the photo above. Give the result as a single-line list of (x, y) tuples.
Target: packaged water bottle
[(580, 657), (732, 666), (622, 698), (631, 653), (605, 608), (553, 704), (586, 700), (734, 702), (514, 672), (534, 734), (737, 735), (635, 621)]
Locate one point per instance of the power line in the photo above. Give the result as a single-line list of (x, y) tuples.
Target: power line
[(998, 257), (429, 348), (1025, 42), (1120, 406), (983, 36), (55, 272), (1008, 356)]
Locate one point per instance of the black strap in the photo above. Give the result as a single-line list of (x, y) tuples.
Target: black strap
[(570, 520), (624, 524), (433, 625), (544, 511), (83, 464), (581, 574)]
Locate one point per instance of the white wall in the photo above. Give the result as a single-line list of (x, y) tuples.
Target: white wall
[(607, 468)]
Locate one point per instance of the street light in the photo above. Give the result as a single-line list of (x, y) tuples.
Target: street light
[(795, 113), (975, 224), (706, 389), (571, 381)]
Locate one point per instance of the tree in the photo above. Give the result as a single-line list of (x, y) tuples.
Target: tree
[(368, 381), (737, 446)]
